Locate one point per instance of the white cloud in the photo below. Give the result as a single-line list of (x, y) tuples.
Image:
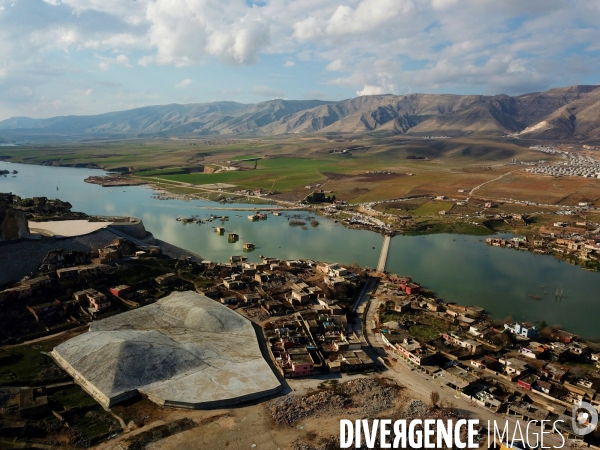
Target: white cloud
[(371, 90), (335, 65), (106, 62), (184, 83), (289, 64), (266, 91), (481, 46)]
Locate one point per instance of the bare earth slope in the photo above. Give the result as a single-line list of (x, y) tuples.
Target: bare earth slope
[(562, 113)]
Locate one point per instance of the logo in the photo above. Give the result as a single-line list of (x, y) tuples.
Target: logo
[(584, 418)]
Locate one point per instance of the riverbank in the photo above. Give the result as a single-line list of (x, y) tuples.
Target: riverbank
[(460, 267)]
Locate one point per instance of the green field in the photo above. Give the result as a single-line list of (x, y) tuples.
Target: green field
[(286, 173), (432, 208)]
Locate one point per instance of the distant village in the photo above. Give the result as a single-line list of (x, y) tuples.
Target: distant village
[(576, 242)]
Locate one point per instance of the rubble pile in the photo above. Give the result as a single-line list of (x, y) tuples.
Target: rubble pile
[(366, 396), (373, 395), (416, 409), (289, 410)]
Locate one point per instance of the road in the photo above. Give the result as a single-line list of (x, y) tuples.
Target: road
[(490, 181)]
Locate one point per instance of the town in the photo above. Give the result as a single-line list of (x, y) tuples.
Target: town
[(574, 166), (316, 319)]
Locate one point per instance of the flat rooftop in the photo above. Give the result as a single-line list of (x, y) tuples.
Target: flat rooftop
[(185, 350)]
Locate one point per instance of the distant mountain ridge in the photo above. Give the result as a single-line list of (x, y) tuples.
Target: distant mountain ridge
[(563, 113)]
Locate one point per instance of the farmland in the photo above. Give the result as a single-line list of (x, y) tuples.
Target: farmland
[(356, 168)]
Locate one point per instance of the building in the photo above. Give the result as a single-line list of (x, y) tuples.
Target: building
[(472, 346), (16, 293), (301, 362), (37, 282), (45, 310), (520, 329), (410, 350), (514, 368), (120, 291), (528, 381), (98, 303), (232, 283), (332, 270), (487, 362)]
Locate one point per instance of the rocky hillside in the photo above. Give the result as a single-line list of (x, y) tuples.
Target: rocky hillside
[(563, 113)]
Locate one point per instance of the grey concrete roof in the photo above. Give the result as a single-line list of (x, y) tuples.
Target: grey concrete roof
[(68, 228), (185, 350)]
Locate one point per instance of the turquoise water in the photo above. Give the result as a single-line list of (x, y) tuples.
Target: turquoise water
[(459, 268)]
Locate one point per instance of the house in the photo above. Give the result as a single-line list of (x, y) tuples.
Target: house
[(120, 291), (559, 350), (301, 362), (514, 368), (355, 361), (469, 344), (98, 303), (400, 304), (534, 350), (237, 259), (563, 336), (83, 271), (520, 329), (487, 362), (542, 386), (410, 288), (45, 310), (458, 378), (37, 282), (165, 279), (333, 270), (300, 296), (410, 350), (577, 348), (554, 372), (528, 381), (232, 283), (16, 293), (251, 298), (262, 277), (579, 393), (274, 307), (229, 300)]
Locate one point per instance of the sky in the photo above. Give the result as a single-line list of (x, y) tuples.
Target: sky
[(60, 57)]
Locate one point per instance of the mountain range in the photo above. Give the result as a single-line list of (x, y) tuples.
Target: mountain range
[(557, 114)]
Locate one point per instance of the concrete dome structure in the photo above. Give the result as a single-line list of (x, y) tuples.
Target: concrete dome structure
[(185, 350)]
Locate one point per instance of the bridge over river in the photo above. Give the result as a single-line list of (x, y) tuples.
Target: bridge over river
[(385, 249)]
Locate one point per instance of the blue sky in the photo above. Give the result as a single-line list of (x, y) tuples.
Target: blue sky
[(62, 57)]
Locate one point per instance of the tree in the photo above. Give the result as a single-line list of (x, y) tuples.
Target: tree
[(434, 397)]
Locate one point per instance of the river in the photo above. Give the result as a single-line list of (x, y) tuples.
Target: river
[(459, 268)]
